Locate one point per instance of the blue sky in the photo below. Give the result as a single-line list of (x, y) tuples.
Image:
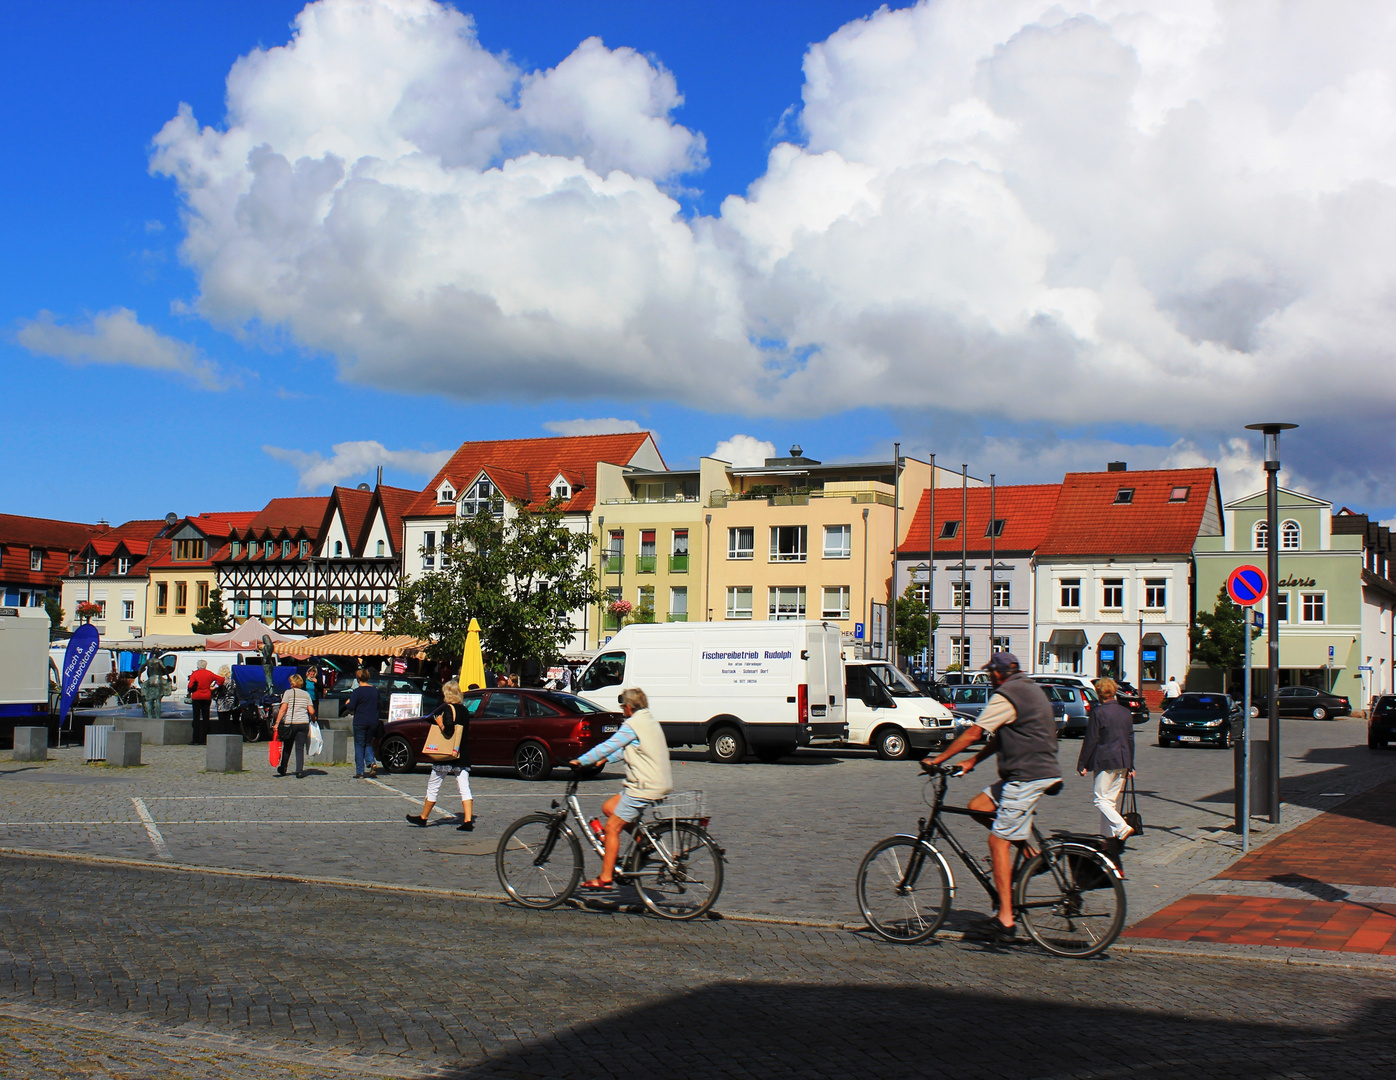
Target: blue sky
[(89, 230)]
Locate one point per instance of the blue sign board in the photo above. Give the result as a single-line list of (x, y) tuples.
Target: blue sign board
[(1107, 654), (857, 631), (1259, 618), (1330, 654), (82, 647), (1150, 654)]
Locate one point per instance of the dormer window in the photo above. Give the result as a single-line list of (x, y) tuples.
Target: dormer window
[(445, 495), (482, 497), (36, 559), (995, 527), (339, 549), (1124, 497), (305, 548), (123, 565), (562, 489), (91, 565), (234, 549), (380, 550), (269, 549), (286, 546)]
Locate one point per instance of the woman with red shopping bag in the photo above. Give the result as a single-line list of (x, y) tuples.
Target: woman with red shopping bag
[(293, 725)]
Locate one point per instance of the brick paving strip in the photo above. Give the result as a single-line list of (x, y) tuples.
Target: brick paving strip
[(1328, 885)]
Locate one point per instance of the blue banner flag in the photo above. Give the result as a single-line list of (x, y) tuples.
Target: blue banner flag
[(82, 647)]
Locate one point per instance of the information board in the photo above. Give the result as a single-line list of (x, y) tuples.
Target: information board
[(404, 706), (745, 666)]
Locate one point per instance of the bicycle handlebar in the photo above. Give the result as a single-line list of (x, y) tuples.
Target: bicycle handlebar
[(943, 770)]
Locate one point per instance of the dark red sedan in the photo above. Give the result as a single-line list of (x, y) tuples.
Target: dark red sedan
[(528, 731)]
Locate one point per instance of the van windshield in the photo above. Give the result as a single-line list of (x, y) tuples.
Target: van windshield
[(897, 683), (607, 669)]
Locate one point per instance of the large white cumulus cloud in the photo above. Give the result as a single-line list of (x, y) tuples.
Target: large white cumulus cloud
[(1076, 210)]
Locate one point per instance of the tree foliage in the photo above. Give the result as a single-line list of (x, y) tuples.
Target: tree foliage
[(1218, 636), (56, 614), (912, 633), (522, 576), (212, 618)]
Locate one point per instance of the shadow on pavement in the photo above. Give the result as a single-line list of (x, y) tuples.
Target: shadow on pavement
[(750, 1029)]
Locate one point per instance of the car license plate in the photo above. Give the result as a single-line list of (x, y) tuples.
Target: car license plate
[(1189, 738), (609, 729)]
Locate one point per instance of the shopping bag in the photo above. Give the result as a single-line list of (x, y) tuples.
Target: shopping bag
[(274, 752), (1131, 814), (439, 747), (317, 741)]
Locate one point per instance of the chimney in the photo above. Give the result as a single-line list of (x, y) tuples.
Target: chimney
[(1115, 466), (380, 476)]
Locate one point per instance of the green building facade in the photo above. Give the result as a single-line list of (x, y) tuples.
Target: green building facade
[(1320, 590)]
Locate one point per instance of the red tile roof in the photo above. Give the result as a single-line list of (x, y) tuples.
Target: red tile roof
[(1088, 521), (59, 540), (526, 468), (396, 502), (290, 514), (356, 512), (222, 524), (1025, 510)]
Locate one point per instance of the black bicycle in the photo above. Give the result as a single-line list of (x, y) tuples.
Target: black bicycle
[(1067, 893), (672, 863)]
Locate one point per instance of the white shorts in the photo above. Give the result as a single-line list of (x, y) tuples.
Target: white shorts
[(438, 772)]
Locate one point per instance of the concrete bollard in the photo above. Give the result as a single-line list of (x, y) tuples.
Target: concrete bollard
[(31, 744), (336, 749), (223, 754), (124, 748)]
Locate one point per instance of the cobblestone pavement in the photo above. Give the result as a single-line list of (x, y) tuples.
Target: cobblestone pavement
[(794, 831), (137, 972)]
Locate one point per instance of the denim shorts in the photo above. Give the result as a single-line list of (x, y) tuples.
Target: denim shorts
[(630, 809), (1016, 800)]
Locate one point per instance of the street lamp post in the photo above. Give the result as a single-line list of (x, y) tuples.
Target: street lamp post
[(931, 581), (1272, 570)]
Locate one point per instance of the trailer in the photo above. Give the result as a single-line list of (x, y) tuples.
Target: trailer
[(24, 672)]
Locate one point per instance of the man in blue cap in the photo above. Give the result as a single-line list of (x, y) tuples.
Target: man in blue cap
[(1022, 731)]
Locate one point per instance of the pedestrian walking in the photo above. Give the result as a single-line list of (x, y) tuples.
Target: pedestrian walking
[(363, 705), (1108, 750), (201, 686), (293, 720), (225, 700), (1171, 689), (450, 716)]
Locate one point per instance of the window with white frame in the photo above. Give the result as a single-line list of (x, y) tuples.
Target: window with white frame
[(1289, 536), (838, 541), (1070, 592), (298, 607), (91, 565), (1003, 594), (960, 652), (562, 490), (128, 609), (741, 543), (428, 550), (1003, 644), (962, 594), (36, 559), (836, 602), (239, 607), (785, 602), (1112, 596), (1312, 606), (1282, 606), (268, 607), (483, 497), (445, 494), (789, 543), (678, 603), (123, 565), (1260, 536), (739, 601), (923, 591), (1155, 593)]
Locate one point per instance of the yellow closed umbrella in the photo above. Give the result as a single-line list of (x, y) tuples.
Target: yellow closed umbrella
[(472, 664)]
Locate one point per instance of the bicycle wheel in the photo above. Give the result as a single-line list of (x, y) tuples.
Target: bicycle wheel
[(539, 862), (903, 891), (688, 888), (1070, 900)]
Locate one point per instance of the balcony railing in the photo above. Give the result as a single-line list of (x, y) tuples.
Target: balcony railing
[(610, 622), (644, 564), (678, 616), (614, 563), (678, 564)]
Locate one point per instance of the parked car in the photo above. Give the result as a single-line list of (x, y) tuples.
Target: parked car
[(960, 678), (968, 701), (1381, 722), (1304, 701), (529, 731), (1081, 682), (1076, 703), (1201, 718), (1133, 700)]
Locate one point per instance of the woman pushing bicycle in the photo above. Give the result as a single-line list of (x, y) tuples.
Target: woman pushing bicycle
[(1023, 733), (648, 778)]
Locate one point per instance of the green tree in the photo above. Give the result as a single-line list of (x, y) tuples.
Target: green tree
[(1218, 637), (56, 614), (912, 633), (212, 618), (522, 575)]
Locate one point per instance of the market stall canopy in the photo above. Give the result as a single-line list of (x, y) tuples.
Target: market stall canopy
[(351, 644), (248, 635)]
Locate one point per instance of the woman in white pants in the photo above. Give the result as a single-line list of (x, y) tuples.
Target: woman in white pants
[(1108, 751), (451, 714)]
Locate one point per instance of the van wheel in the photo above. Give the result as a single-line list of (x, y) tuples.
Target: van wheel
[(890, 744), (726, 746)]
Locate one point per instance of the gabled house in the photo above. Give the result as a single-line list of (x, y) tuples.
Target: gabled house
[(113, 572), (183, 570), (266, 568), (491, 477), (35, 553), (1114, 573)]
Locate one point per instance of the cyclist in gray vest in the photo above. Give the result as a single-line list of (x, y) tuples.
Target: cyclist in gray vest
[(1023, 733)]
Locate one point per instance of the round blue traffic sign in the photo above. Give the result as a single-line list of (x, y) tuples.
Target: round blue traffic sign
[(1247, 585)]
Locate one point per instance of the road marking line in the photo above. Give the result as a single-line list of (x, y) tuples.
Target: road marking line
[(150, 823), (409, 798), (157, 841), (221, 798)]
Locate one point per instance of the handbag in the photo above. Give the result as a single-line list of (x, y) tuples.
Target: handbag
[(317, 740), (1131, 809), (441, 747), (274, 749)]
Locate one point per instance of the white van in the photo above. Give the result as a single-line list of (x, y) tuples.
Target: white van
[(890, 713), (96, 677), (766, 687)]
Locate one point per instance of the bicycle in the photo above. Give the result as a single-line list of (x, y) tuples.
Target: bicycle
[(1067, 893), (672, 862)]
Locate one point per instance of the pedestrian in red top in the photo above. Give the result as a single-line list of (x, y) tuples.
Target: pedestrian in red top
[(201, 686)]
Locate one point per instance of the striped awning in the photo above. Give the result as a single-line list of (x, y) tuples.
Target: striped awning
[(351, 644)]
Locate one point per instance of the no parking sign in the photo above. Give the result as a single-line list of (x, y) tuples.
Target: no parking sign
[(1247, 585)]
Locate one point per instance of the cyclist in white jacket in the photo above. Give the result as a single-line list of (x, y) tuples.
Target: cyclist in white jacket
[(641, 744)]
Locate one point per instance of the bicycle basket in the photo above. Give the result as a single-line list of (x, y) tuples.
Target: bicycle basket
[(679, 805)]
